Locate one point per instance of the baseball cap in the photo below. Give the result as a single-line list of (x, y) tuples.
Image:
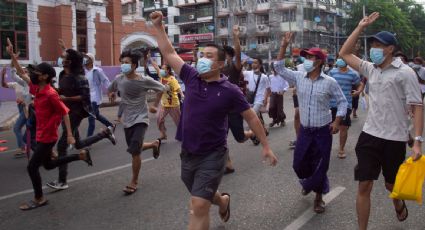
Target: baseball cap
[(384, 37), (315, 51), (43, 68)]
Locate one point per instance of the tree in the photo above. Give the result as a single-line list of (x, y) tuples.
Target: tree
[(395, 18)]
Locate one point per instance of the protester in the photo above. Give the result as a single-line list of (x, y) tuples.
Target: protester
[(278, 87), (133, 112), (382, 143), (203, 126), (314, 143)]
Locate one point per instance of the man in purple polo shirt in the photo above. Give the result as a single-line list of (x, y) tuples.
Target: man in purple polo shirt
[(203, 126)]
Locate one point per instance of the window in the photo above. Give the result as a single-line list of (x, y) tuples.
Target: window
[(288, 16), (242, 20), (262, 1), (82, 31), (242, 3), (224, 4), (243, 41), (13, 18), (263, 19), (223, 22), (262, 40)]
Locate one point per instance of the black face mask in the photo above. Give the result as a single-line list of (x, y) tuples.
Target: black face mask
[(34, 78)]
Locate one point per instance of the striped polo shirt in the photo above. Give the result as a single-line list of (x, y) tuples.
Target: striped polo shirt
[(345, 81)]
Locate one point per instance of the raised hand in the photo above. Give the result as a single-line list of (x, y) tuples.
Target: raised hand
[(236, 31), (9, 48), (286, 39), (367, 20), (156, 18), (61, 43)]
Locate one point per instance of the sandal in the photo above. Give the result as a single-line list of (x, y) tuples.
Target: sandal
[(319, 206), (229, 170), (88, 158), (128, 190), (342, 155), (157, 150), (226, 215), (32, 205), (400, 212)]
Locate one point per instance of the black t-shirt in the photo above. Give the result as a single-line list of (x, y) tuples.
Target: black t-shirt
[(232, 73), (68, 87)]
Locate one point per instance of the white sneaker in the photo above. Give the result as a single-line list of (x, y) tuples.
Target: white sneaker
[(57, 186)]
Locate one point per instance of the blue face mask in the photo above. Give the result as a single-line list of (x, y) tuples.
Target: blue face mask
[(60, 62), (340, 63), (308, 65), (377, 55), (163, 73), (204, 65), (125, 68)]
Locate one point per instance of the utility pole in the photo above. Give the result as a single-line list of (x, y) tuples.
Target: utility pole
[(365, 39)]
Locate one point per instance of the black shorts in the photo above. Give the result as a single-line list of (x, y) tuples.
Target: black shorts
[(134, 137), (295, 99), (202, 173), (355, 102), (374, 153), (236, 126), (347, 119)]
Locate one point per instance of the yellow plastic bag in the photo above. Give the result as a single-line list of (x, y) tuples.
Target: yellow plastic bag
[(409, 180)]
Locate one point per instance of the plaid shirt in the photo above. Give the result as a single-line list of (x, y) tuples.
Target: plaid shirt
[(83, 89), (314, 96)]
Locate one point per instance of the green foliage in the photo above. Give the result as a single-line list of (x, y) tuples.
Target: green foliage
[(406, 18)]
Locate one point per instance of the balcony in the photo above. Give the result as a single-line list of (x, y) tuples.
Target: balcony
[(262, 29), (223, 32), (263, 47), (184, 3), (262, 7), (289, 26), (285, 6), (242, 30)]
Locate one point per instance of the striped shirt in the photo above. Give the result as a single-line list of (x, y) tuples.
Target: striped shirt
[(314, 96), (346, 81)]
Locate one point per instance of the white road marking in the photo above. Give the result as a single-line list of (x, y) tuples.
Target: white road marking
[(308, 214), (75, 179)]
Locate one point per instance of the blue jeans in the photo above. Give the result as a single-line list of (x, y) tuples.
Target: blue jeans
[(17, 128), (99, 117)]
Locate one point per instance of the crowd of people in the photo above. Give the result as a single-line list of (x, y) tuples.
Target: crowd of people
[(221, 94)]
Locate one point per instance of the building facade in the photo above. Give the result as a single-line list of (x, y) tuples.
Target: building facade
[(262, 23), (95, 26)]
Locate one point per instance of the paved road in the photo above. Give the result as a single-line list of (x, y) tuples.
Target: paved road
[(262, 197)]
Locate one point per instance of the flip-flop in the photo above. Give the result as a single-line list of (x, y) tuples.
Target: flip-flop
[(342, 155), (129, 190), (157, 151), (3, 141), (2, 149), (399, 212), (319, 206), (226, 215), (33, 205), (88, 158)]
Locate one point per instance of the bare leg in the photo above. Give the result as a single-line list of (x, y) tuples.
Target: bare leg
[(297, 121), (150, 145), (200, 219), (343, 134), (398, 204), (136, 165), (363, 203)]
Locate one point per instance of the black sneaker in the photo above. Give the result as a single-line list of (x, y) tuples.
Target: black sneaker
[(57, 185), (110, 135), (255, 140)]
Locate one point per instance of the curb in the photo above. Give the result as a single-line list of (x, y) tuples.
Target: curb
[(8, 124)]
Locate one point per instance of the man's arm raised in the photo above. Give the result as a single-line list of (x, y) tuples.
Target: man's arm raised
[(164, 45), (346, 51)]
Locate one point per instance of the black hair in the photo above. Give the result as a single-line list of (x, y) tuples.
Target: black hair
[(220, 51), (169, 70), (76, 58), (260, 61), (229, 50), (133, 55)]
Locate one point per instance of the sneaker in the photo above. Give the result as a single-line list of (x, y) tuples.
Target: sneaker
[(58, 186), (255, 140), (110, 135)]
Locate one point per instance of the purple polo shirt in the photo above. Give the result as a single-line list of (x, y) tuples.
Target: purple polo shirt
[(203, 123)]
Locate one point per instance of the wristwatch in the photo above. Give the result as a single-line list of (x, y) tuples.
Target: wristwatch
[(419, 138)]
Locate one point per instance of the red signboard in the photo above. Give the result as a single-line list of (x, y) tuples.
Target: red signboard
[(192, 38)]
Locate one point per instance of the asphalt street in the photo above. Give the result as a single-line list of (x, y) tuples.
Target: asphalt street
[(262, 197)]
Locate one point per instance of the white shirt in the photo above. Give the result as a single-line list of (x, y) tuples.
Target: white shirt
[(301, 68), (96, 84), (278, 84), (252, 82)]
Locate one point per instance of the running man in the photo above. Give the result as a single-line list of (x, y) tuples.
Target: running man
[(393, 87)]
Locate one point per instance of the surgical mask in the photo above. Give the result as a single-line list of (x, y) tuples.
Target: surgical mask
[(377, 55), (85, 60), (60, 62), (163, 73), (203, 65), (308, 65), (34, 79), (340, 63), (416, 67), (326, 69), (125, 68)]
